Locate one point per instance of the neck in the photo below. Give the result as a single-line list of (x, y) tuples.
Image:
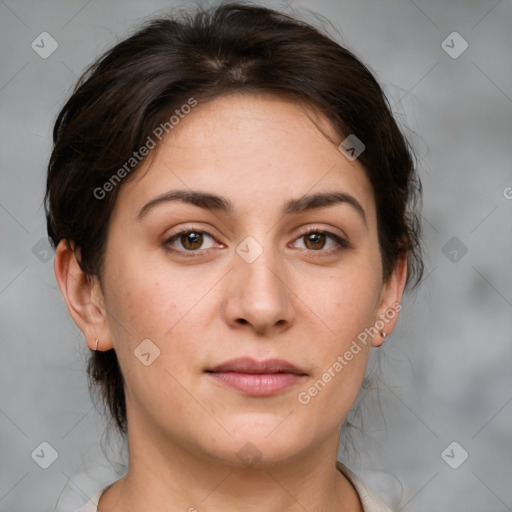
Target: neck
[(169, 478)]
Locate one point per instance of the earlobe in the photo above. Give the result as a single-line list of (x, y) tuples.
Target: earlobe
[(80, 293), (391, 302)]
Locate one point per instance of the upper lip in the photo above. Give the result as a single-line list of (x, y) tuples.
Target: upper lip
[(248, 365)]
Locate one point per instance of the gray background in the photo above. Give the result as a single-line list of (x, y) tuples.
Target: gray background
[(445, 370)]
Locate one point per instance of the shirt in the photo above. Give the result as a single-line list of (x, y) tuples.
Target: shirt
[(370, 501)]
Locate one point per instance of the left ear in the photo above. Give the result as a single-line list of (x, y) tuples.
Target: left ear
[(390, 301)]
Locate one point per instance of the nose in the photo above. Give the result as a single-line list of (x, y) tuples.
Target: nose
[(259, 295)]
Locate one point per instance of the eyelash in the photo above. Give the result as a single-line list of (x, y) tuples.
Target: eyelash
[(342, 244)]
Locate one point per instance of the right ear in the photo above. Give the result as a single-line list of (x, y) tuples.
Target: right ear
[(83, 297)]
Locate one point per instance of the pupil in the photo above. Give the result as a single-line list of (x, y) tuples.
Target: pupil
[(192, 240), (316, 239)]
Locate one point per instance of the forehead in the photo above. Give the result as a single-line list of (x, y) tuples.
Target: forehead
[(253, 149)]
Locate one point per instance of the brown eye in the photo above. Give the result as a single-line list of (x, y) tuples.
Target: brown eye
[(315, 241), (323, 242), (189, 241), (192, 240)]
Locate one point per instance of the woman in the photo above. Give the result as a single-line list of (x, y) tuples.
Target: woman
[(233, 211)]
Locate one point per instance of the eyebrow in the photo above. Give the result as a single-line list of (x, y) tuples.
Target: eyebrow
[(218, 203)]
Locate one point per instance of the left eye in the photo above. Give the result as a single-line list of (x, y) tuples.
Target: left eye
[(317, 240)]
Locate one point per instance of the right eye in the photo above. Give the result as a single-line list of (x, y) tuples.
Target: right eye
[(191, 241)]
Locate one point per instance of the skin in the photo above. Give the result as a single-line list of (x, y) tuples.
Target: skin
[(299, 301)]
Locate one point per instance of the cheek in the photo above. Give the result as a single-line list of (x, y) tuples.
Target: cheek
[(149, 301), (341, 354), (347, 302), (139, 305), (347, 305), (146, 305)]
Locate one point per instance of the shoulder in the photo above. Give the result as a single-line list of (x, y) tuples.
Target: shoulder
[(371, 502), (84, 489), (92, 504)]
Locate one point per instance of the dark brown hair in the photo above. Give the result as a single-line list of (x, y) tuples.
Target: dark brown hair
[(135, 86)]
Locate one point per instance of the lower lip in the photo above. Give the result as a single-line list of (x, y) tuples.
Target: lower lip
[(257, 384)]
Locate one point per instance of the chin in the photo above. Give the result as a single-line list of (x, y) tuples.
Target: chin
[(262, 442)]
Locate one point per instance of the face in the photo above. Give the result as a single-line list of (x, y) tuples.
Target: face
[(252, 270)]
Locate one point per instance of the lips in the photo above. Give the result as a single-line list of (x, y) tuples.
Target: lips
[(248, 365), (256, 378)]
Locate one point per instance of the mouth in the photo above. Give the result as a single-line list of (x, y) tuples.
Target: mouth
[(257, 378)]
